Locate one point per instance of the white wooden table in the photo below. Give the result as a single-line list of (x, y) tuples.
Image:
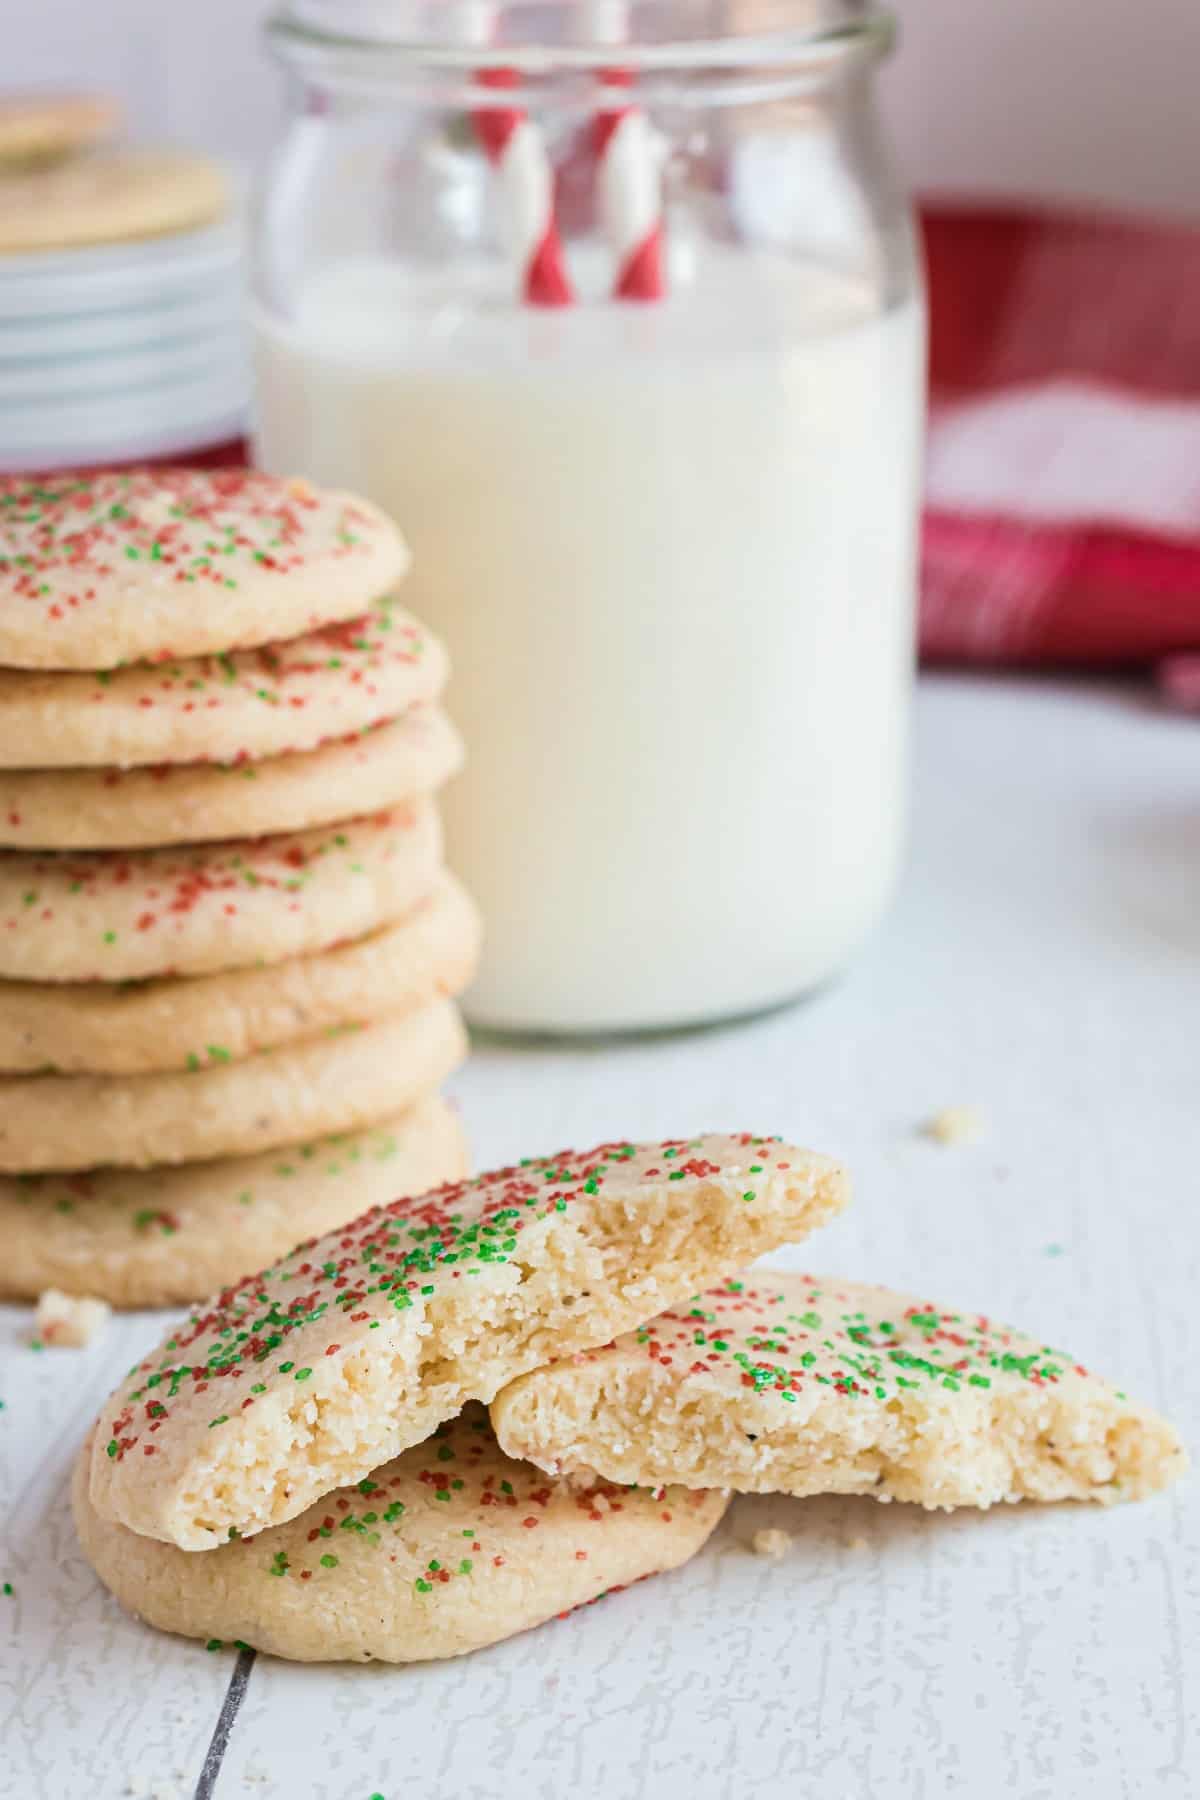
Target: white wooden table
[(1043, 962)]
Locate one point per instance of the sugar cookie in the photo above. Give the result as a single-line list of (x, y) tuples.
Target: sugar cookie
[(150, 565), (185, 803), (339, 1081), (801, 1384), (248, 705), (161, 1237), (38, 127), (138, 1028), (111, 916), (450, 1547), (360, 1344), (110, 196)]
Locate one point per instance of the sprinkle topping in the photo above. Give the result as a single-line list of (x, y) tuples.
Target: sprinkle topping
[(230, 708), (145, 908), (791, 1334), (393, 1259), (147, 551), (471, 1499)]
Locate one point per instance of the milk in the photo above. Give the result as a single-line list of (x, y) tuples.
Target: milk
[(672, 552)]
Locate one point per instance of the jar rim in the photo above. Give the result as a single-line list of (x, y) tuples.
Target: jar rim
[(537, 37)]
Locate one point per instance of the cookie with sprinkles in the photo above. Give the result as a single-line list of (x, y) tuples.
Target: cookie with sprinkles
[(186, 803), (201, 1021), (110, 915), (165, 1237), (448, 1548), (339, 1081), (798, 1384), (359, 1345), (245, 705), (99, 570)]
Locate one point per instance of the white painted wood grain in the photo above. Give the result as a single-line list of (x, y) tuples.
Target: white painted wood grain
[(1042, 962)]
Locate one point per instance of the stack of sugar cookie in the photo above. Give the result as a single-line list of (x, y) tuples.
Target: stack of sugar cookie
[(304, 1465), (228, 947)]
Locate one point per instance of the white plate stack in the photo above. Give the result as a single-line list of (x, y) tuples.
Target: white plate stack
[(123, 353)]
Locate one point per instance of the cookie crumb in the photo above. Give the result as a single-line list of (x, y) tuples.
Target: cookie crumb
[(67, 1321), (955, 1125), (771, 1543), (857, 1543)]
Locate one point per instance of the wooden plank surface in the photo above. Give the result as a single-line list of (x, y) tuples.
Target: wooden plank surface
[(1042, 963)]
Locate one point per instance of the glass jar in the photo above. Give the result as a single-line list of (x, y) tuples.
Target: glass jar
[(616, 310)]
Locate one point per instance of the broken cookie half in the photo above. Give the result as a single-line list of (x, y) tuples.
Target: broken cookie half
[(359, 1344), (797, 1384)]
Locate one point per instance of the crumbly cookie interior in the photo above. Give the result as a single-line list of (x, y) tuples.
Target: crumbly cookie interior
[(1073, 1441)]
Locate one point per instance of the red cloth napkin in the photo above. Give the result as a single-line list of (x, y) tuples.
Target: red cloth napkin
[(1062, 514)]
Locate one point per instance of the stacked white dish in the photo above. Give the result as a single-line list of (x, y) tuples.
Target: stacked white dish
[(122, 352)]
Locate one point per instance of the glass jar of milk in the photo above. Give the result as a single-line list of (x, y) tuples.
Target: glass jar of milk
[(615, 307)]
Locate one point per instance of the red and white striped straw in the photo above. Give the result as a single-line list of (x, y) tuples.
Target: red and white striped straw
[(516, 150), (628, 170)]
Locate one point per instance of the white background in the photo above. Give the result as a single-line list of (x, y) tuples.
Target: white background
[(1091, 99)]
